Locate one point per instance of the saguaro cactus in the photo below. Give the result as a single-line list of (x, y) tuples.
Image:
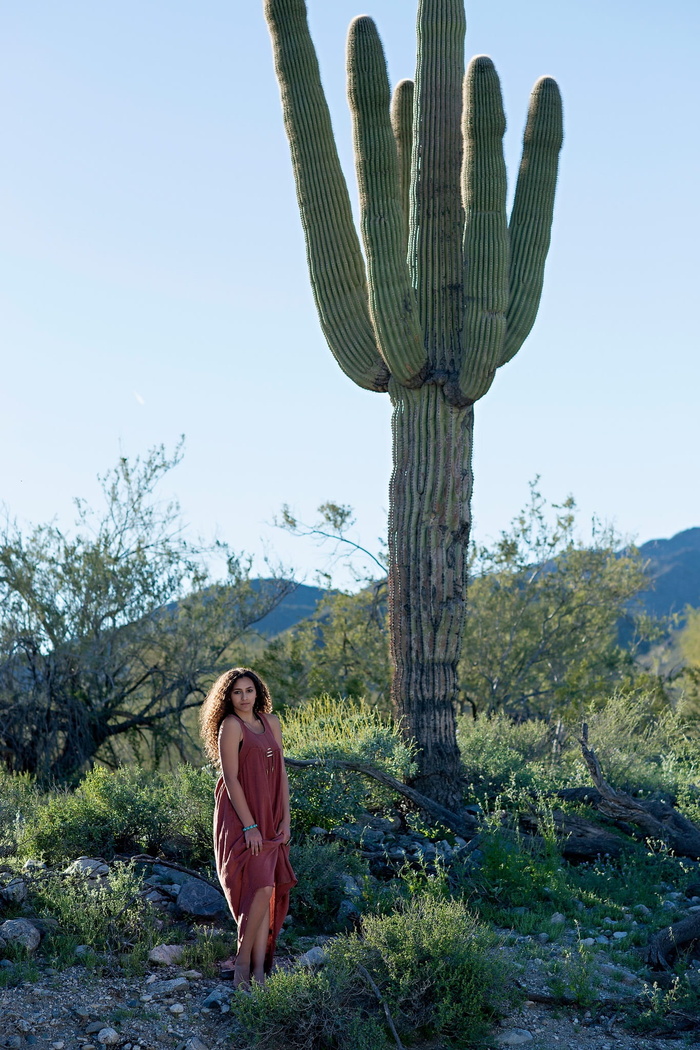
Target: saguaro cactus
[(449, 292)]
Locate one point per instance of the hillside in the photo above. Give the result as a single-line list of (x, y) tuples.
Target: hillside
[(674, 569)]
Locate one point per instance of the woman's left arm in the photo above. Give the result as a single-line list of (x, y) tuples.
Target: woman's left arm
[(285, 824)]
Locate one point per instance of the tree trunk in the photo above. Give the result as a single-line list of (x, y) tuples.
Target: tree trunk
[(429, 525)]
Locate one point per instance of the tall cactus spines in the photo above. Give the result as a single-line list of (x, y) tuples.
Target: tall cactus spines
[(450, 292)]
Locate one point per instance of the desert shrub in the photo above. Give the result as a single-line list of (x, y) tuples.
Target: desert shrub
[(320, 867), (329, 728), (127, 810), (108, 914), (435, 965), (641, 748), (499, 754)]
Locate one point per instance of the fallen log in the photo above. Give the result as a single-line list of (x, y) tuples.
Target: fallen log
[(669, 941), (657, 820), (463, 824), (579, 839)]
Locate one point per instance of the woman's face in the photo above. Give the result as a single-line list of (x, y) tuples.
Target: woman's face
[(243, 696)]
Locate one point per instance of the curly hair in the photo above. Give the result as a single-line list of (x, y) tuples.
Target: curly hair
[(218, 704)]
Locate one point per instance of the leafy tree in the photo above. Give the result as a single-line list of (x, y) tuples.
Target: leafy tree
[(110, 634), (543, 625)]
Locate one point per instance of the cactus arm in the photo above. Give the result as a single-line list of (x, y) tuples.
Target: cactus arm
[(392, 300), (486, 248), (402, 124), (531, 218), (333, 251), (437, 216)]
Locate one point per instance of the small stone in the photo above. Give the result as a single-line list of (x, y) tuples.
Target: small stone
[(314, 957), (88, 1046), (641, 909), (108, 1037), (82, 949), (347, 911), (668, 905), (557, 919), (619, 935), (543, 938), (58, 1045), (23, 1025), (94, 1027), (602, 940), (13, 1042), (193, 1043), (192, 975), (588, 941), (514, 1037), (177, 1009), (20, 932), (219, 997), (145, 998), (161, 988), (166, 954)]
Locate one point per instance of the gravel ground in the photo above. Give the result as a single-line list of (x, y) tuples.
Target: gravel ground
[(75, 1010)]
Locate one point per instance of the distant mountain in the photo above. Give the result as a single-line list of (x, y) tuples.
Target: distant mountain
[(674, 569), (295, 607)]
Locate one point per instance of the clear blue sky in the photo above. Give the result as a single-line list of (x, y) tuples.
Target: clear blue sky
[(153, 279)]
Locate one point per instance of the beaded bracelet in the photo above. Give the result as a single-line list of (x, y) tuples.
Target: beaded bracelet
[(250, 827)]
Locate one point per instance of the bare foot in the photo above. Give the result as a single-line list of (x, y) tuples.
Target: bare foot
[(241, 977), (258, 977)]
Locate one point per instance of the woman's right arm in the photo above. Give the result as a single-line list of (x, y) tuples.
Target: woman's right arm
[(229, 744)]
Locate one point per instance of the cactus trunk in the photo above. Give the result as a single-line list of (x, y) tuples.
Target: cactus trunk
[(429, 524), (450, 292)]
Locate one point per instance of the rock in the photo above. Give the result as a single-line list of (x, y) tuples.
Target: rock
[(218, 996), (82, 949), (15, 892), (161, 988), (20, 932), (13, 1042), (166, 954), (619, 935), (693, 890), (314, 957), (347, 911), (641, 909), (5, 964), (558, 918), (88, 866), (543, 938), (94, 1027), (202, 901), (192, 975), (514, 1037), (108, 1037), (177, 1009), (193, 1044), (588, 941), (34, 865), (350, 887)]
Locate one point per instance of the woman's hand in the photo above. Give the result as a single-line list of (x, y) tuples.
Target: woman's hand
[(253, 840), (284, 829)]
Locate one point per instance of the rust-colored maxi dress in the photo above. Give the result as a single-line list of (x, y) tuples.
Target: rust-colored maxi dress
[(260, 771)]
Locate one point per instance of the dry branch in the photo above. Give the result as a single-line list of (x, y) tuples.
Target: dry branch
[(665, 944), (463, 824), (657, 820)]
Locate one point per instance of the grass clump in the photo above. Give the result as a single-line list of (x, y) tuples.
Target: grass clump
[(435, 968), (329, 728)]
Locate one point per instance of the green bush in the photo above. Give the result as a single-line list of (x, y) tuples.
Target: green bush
[(499, 754), (328, 729), (128, 810), (433, 964)]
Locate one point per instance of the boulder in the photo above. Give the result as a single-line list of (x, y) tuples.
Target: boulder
[(20, 932), (89, 866), (15, 892), (201, 901)]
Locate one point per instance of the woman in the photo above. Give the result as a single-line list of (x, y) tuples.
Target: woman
[(251, 818)]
